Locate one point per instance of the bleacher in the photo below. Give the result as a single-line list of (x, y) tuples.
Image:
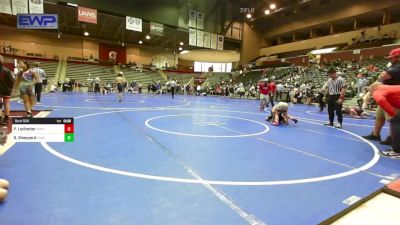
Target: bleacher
[(294, 53), (78, 71), (182, 78), (31, 54), (315, 76), (370, 43), (80, 59), (380, 63), (249, 77), (252, 77), (50, 67), (142, 77), (338, 46), (215, 78)]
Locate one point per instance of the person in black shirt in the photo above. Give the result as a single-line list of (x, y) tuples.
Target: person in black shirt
[(6, 86), (336, 89), (321, 100)]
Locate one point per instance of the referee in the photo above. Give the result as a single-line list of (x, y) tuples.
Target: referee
[(336, 89), (172, 83), (39, 85)]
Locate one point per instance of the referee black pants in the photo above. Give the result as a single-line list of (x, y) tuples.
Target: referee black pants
[(271, 99), (173, 91), (38, 91), (334, 106)]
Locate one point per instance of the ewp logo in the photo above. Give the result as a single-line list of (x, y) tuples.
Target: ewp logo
[(37, 21)]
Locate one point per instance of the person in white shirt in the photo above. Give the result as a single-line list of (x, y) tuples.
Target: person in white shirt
[(96, 85), (198, 89), (39, 85), (241, 90), (53, 88), (172, 83), (279, 114), (279, 91), (252, 91), (119, 81)]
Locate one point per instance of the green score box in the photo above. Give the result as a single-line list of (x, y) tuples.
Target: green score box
[(69, 137)]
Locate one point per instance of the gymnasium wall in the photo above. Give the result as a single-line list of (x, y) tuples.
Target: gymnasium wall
[(328, 13), (185, 62), (250, 45), (329, 40), (169, 12), (156, 11), (364, 53), (145, 55), (90, 47), (48, 44)]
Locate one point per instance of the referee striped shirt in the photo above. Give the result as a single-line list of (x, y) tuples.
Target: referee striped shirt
[(41, 74), (335, 86)]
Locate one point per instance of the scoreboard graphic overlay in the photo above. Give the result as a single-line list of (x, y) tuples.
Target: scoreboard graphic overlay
[(43, 130)]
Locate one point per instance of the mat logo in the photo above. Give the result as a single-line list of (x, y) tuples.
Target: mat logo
[(37, 21)]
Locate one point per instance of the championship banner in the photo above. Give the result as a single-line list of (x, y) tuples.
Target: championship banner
[(200, 20), (112, 53), (200, 37), (156, 29), (207, 40), (220, 45), (19, 7), (36, 6), (214, 40), (192, 18), (134, 24), (5, 7), (192, 37), (87, 15)]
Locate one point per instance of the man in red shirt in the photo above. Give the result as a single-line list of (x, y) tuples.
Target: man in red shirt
[(391, 76), (263, 88), (272, 90), (388, 98)]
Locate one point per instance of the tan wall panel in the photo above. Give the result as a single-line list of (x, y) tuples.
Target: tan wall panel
[(185, 62), (46, 43), (251, 44), (49, 45), (144, 56), (300, 22), (90, 47), (328, 40)]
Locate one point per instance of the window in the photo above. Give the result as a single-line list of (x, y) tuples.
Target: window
[(218, 67)]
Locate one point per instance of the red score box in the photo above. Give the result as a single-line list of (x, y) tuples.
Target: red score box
[(69, 128)]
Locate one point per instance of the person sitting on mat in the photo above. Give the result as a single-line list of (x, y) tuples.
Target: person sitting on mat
[(279, 114), (355, 112)]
